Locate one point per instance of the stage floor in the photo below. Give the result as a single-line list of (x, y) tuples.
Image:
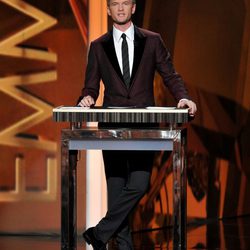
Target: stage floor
[(229, 234)]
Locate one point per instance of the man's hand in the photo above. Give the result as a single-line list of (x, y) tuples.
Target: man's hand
[(185, 103), (86, 101)]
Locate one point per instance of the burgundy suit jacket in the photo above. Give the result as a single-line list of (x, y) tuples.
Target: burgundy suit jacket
[(150, 55)]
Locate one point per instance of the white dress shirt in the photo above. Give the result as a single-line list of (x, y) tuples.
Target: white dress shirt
[(118, 45)]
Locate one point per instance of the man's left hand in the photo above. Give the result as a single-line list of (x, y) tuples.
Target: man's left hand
[(185, 103)]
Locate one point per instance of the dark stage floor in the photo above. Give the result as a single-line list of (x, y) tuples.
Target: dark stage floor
[(230, 234)]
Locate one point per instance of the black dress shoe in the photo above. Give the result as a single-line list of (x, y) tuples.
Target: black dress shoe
[(90, 238)]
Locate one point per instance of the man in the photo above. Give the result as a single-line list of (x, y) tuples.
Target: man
[(126, 59)]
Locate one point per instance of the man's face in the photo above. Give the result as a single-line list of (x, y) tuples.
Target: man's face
[(121, 11)]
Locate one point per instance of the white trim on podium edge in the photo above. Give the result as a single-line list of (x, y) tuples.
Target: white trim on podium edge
[(96, 188), (96, 194), (96, 191)]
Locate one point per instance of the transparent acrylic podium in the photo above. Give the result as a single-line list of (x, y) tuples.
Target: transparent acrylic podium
[(171, 138)]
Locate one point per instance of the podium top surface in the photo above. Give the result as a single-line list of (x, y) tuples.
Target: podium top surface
[(120, 114)]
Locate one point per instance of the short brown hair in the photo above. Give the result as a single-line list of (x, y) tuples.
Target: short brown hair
[(108, 2)]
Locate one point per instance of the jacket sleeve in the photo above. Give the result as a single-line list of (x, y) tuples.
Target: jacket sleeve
[(165, 68), (92, 75)]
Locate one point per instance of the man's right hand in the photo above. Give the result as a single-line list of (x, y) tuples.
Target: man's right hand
[(86, 101)]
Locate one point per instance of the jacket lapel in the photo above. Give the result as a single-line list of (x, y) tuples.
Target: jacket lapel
[(139, 45), (109, 49)]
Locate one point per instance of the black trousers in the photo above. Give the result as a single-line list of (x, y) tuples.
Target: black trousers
[(128, 176)]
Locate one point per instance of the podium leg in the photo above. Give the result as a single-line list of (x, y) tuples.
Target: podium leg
[(180, 190), (68, 197)]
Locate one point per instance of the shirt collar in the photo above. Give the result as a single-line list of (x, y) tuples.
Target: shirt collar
[(130, 32)]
